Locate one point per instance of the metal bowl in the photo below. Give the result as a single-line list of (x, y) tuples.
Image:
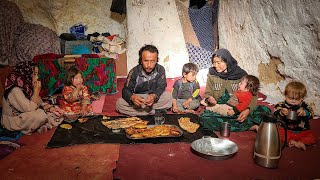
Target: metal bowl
[(214, 148)]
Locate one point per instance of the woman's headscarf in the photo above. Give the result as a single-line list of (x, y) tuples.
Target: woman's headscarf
[(234, 72), (21, 76)]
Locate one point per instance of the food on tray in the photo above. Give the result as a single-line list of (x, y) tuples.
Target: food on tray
[(140, 125), (153, 131), (125, 122), (105, 117), (82, 120), (187, 125), (66, 126)]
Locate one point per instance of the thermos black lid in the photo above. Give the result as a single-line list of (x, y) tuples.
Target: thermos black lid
[(267, 117)]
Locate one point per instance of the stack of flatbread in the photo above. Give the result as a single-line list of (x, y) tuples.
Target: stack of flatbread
[(124, 122), (187, 125)]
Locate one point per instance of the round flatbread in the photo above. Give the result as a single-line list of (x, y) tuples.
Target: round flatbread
[(66, 126)]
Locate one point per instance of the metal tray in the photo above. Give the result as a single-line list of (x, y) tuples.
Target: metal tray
[(150, 126), (214, 148)]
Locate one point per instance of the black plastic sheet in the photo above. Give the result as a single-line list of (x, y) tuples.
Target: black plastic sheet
[(94, 132)]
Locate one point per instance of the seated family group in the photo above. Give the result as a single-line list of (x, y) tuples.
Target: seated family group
[(229, 91)]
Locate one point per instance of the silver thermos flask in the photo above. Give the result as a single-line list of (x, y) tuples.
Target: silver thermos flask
[(267, 147)]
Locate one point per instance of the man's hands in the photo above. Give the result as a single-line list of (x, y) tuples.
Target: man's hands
[(141, 102)]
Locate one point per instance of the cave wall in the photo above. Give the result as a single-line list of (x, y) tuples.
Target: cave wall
[(60, 15), (157, 23), (276, 40)]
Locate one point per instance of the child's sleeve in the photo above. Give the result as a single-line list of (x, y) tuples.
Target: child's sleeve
[(308, 110), (244, 101), (175, 90), (196, 90), (86, 96), (277, 110)]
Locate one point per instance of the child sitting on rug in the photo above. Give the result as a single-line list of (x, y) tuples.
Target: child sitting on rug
[(240, 100), (186, 90), (75, 93), (299, 133)]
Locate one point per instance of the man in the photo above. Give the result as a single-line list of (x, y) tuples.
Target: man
[(144, 90)]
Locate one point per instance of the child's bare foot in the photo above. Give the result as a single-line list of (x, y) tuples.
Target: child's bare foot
[(297, 144), (42, 129), (189, 111), (254, 128)]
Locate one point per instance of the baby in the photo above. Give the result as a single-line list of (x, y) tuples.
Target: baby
[(299, 134), (240, 100)]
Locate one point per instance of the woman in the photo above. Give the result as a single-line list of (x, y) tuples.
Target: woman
[(222, 81), (23, 109)]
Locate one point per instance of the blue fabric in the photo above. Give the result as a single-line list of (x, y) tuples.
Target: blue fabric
[(6, 135), (78, 31), (199, 56), (81, 49), (201, 20)]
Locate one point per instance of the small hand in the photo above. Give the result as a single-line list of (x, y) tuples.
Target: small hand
[(230, 112), (301, 112), (36, 86), (186, 104), (284, 111), (57, 111), (175, 109), (243, 115), (212, 100), (79, 87)]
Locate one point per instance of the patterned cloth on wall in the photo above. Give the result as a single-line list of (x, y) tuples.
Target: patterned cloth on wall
[(51, 74), (201, 20), (99, 74), (199, 56)]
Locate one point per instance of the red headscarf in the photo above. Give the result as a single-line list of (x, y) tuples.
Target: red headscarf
[(21, 76)]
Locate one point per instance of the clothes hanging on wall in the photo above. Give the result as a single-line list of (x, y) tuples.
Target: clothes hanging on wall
[(119, 6)]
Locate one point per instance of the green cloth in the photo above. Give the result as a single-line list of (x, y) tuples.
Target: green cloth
[(212, 121)]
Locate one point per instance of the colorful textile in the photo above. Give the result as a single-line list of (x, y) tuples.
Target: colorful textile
[(21, 76), (52, 75), (212, 121), (307, 137), (98, 74), (199, 56), (74, 106), (201, 20)]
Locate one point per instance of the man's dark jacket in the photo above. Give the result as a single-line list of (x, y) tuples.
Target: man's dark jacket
[(156, 85)]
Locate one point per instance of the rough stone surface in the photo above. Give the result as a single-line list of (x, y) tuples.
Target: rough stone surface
[(256, 32), (60, 15), (157, 23)]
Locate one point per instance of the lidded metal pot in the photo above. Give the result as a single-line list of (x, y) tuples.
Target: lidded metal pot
[(267, 147)]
